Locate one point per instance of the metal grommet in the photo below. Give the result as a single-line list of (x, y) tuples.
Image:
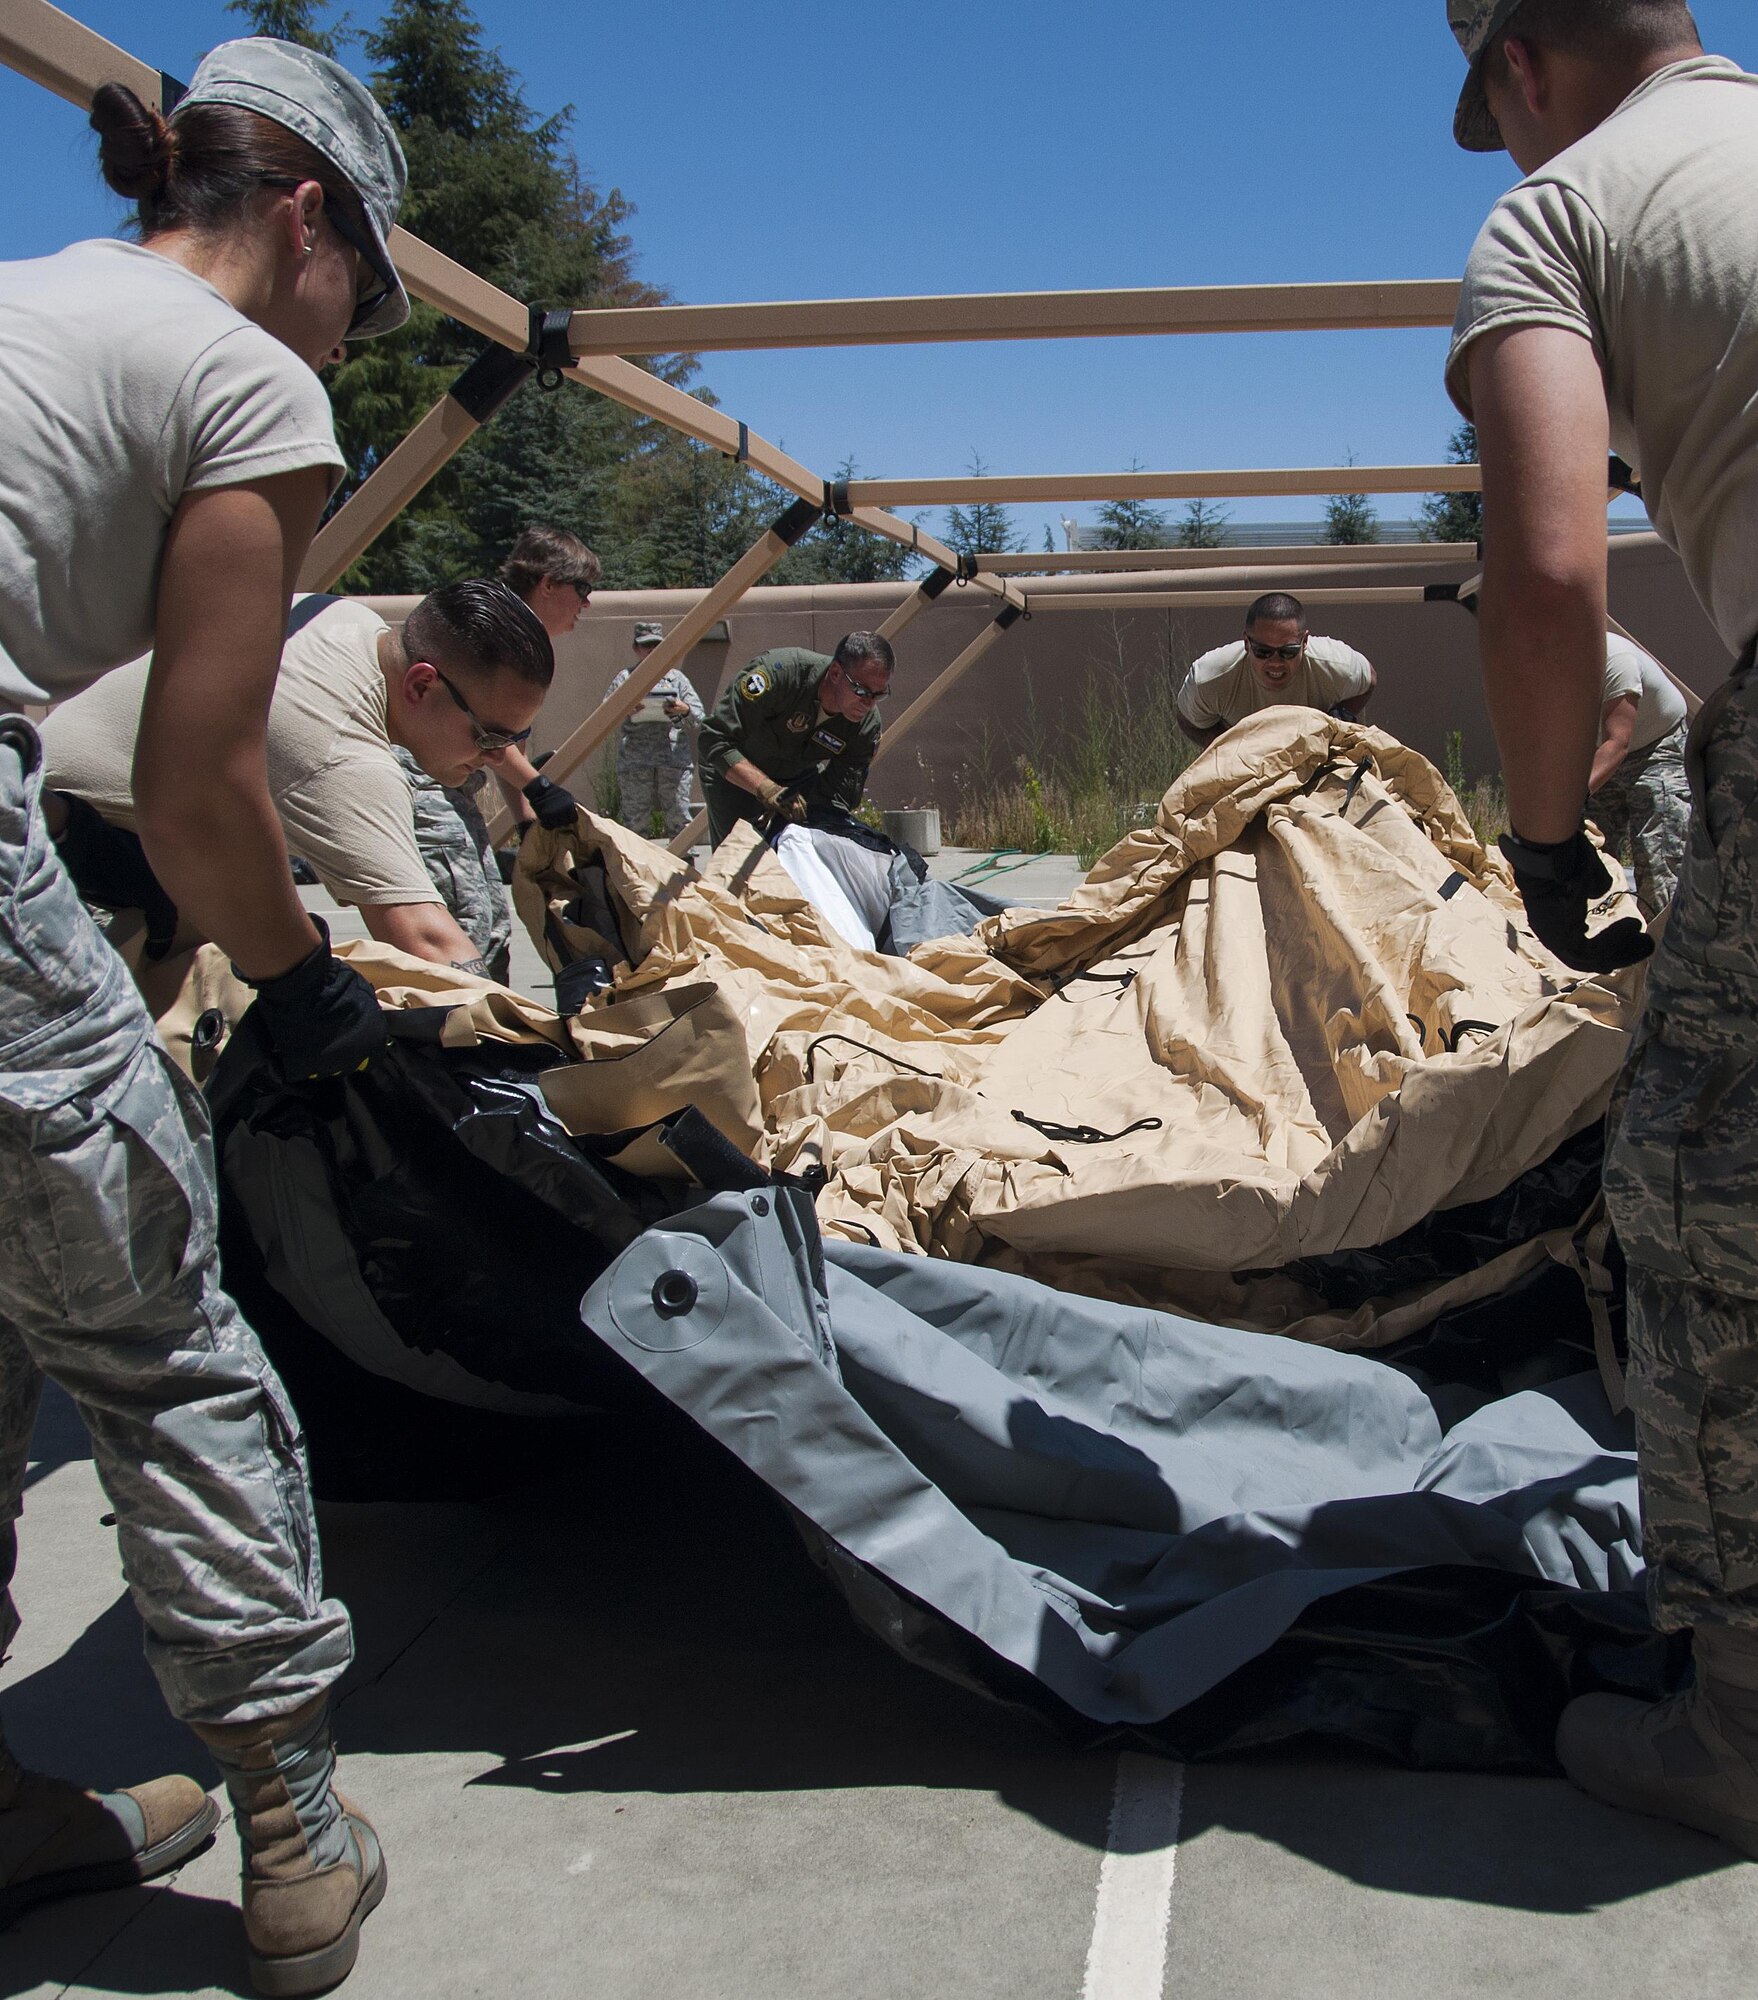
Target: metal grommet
[(759, 1204), (674, 1294), (210, 1025)]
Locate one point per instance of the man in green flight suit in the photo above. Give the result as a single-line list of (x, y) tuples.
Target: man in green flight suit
[(795, 730)]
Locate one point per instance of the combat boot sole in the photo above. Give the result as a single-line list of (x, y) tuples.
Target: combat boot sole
[(127, 1871), (295, 1975)]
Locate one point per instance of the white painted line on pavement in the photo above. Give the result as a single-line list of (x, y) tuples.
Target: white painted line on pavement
[(1127, 1957)]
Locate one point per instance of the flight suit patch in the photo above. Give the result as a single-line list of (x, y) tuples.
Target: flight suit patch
[(825, 740), (754, 684), (799, 724)]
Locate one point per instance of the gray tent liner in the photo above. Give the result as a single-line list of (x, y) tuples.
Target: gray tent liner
[(1127, 1505)]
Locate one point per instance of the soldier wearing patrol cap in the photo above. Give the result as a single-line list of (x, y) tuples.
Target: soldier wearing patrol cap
[(655, 765), (1607, 306), (169, 452), (795, 729)]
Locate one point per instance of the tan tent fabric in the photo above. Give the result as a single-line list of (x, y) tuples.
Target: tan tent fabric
[(1308, 972)]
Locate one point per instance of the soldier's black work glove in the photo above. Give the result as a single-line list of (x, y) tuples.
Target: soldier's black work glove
[(109, 867), (322, 1017), (1557, 880), (554, 806)]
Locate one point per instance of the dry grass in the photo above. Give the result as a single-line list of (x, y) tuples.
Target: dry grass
[(1076, 790), (1484, 799)]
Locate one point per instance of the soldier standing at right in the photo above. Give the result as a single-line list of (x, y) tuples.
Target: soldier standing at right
[(1608, 305)]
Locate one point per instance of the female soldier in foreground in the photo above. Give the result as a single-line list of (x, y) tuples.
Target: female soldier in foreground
[(167, 450)]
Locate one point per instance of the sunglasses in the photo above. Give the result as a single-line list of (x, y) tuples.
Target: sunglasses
[(487, 738), (367, 298), (861, 692), (1261, 652)]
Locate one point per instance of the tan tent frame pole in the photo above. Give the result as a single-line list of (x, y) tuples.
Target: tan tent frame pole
[(1305, 308), (383, 495), (897, 729), (1260, 482), (1228, 598), (610, 714), (1359, 555)]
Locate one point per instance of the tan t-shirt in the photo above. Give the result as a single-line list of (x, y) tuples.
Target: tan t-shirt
[(1643, 238), (1660, 707), (1222, 687), (340, 792)]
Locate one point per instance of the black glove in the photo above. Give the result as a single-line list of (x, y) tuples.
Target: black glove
[(554, 806), (1557, 881), (322, 1017), (109, 867)]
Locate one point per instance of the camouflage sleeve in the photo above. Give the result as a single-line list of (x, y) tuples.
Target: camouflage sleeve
[(760, 690)]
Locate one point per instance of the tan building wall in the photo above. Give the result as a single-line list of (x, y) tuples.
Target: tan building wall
[(1426, 656)]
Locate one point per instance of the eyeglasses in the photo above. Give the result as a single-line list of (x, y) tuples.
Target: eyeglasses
[(487, 738), (1261, 652), (861, 692), (583, 591), (367, 300)]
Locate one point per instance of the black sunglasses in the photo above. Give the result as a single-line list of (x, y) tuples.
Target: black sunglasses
[(1262, 652), (366, 303), (861, 693), (487, 738)]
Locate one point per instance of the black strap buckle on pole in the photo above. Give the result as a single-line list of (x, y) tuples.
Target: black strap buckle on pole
[(1621, 478), (1009, 614), (489, 380), (836, 500), (171, 93), (934, 582), (743, 455), (968, 569), (549, 348), (798, 522), (1440, 593)]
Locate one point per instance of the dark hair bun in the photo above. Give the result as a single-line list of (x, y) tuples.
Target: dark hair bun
[(135, 145)]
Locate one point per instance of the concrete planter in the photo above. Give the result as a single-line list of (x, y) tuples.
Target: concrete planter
[(916, 827)]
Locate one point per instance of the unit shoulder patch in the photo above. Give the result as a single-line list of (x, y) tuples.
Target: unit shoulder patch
[(755, 684)]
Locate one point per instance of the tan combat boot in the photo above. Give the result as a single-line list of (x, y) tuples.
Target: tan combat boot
[(56, 1840), (1693, 1759), (313, 1869)]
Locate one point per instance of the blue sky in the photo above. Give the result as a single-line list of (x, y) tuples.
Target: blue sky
[(780, 151)]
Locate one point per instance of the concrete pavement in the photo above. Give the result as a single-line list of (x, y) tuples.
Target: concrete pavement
[(622, 1739)]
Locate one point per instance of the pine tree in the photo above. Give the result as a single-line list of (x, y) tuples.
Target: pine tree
[(1203, 526), (984, 528), (1454, 517), (1350, 518), (291, 21)]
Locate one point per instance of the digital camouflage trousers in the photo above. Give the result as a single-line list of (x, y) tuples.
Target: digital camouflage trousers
[(109, 1286), (1644, 809), (1682, 1186), (651, 791)]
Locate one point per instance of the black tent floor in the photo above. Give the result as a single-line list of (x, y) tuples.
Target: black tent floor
[(612, 1757)]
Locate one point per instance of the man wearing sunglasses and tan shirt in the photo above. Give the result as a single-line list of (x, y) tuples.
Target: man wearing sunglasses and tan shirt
[(461, 682), (1278, 664)]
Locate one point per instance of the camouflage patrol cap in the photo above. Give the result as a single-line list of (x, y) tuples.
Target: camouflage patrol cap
[(648, 633), (335, 114), (1475, 24)]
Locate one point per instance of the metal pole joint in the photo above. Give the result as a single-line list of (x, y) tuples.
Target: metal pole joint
[(548, 350), (798, 522)]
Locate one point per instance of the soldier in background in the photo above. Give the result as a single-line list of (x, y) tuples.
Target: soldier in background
[(1607, 307), (656, 761), (1278, 663)]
